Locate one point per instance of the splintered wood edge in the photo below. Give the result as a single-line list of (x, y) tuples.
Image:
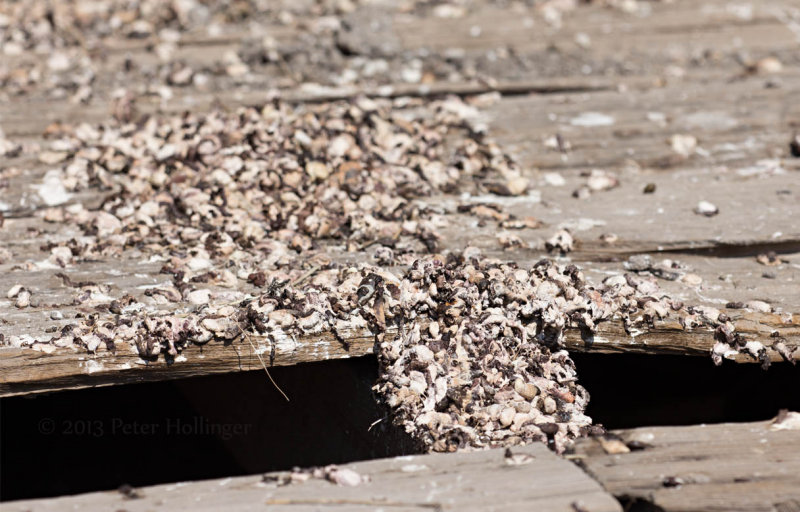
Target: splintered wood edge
[(669, 337), (27, 371), (24, 371)]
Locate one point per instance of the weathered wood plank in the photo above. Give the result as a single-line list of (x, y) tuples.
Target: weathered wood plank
[(25, 371), (733, 148), (680, 26), (725, 279), (16, 120), (669, 337), (68, 371), (462, 481), (747, 466), (752, 212), (540, 51), (730, 118), (707, 38)]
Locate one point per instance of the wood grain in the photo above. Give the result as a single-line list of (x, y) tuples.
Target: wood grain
[(455, 482), (25, 371), (28, 371), (734, 467)]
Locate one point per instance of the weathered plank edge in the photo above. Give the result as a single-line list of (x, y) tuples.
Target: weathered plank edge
[(26, 371), (468, 480), (725, 466)]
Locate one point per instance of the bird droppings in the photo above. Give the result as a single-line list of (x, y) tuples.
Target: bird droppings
[(470, 349), (683, 144), (14, 291), (261, 186), (23, 299), (516, 459), (91, 366), (481, 331), (306, 175), (52, 190), (414, 468), (597, 180), (334, 474), (561, 242), (706, 208), (592, 119)]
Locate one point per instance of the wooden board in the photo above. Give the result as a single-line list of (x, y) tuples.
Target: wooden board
[(745, 466), (25, 371), (457, 482)]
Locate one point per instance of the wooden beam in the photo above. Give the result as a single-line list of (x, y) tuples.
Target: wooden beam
[(670, 337), (26, 371)]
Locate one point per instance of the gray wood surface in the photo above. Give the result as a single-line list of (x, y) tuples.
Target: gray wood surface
[(458, 482), (734, 467), (25, 371)]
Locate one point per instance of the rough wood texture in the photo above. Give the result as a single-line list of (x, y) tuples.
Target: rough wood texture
[(28, 371), (458, 482), (24, 371), (669, 337), (18, 123), (746, 466)]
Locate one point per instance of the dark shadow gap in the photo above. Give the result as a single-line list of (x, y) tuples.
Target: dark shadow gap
[(236, 424), (744, 250), (189, 429), (634, 390), (631, 504)]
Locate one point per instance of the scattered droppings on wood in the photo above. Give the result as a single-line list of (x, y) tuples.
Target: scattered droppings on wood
[(342, 476), (672, 481), (706, 208), (683, 144), (592, 119), (561, 242), (768, 65), (259, 215)]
